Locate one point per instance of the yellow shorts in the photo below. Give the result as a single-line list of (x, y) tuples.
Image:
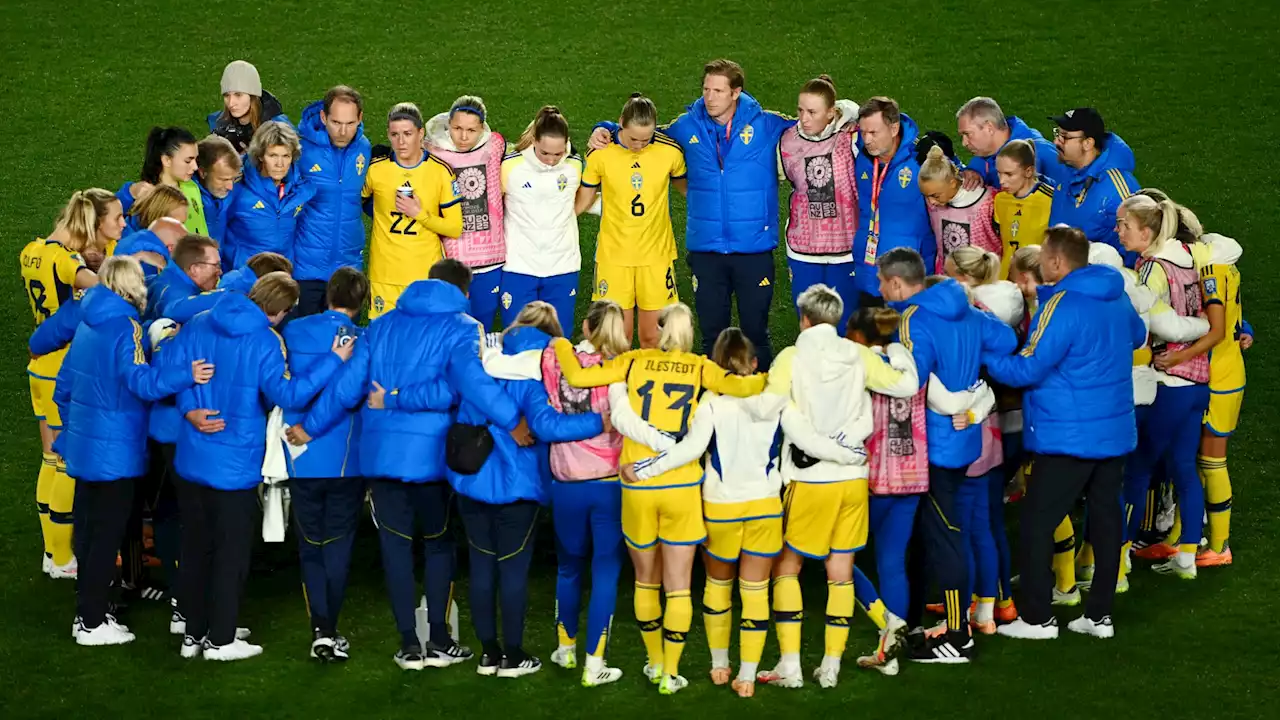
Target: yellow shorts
[(42, 401), (1223, 414), (668, 515), (729, 539), (651, 287), (383, 297), (825, 518)]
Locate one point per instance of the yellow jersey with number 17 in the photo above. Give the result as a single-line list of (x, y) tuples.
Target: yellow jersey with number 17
[(1022, 220), (635, 191), (401, 250), (49, 278)]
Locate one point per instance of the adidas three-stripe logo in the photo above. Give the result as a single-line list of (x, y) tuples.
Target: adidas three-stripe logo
[(527, 186)]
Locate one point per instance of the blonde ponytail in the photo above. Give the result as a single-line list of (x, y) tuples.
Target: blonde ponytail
[(538, 314), (982, 266), (675, 325), (122, 275), (605, 328), (1159, 216), (78, 221)]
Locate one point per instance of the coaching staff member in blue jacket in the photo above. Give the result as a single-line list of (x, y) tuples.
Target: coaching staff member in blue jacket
[(730, 146), (947, 336), (325, 484), (220, 472), (335, 154), (104, 389), (1079, 424), (427, 344), (1095, 177)]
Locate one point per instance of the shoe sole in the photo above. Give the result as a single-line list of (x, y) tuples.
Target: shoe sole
[(443, 662), (942, 661), (98, 643), (1029, 637), (179, 628), (591, 684), (1090, 633), (216, 658), (517, 672), (409, 665), (487, 670), (190, 654)]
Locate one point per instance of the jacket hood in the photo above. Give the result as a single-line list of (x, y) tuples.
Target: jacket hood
[(427, 297), (236, 315), (1003, 299), (947, 300), (846, 114), (1019, 130), (748, 109), (828, 356), (101, 304), (522, 350), (1101, 253), (1117, 155), (1222, 249), (1096, 281), (531, 159), (143, 241), (312, 129), (523, 339), (437, 132)]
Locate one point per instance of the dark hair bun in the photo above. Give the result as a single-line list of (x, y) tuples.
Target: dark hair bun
[(549, 110), (828, 79), (635, 95), (931, 139)]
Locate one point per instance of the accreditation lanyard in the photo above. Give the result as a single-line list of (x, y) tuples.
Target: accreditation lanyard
[(873, 235)]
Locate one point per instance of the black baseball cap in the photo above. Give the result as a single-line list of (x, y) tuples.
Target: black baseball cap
[(1084, 119)]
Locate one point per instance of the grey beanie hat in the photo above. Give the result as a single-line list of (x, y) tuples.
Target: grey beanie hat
[(240, 76)]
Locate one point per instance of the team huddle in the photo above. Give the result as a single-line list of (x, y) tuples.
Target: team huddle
[(1028, 326)]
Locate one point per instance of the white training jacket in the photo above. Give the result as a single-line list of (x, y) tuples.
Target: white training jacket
[(540, 224)]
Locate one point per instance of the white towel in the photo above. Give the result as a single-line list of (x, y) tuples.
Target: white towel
[(275, 471)]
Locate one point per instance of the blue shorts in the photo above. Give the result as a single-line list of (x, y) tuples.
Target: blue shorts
[(486, 290), (519, 290), (838, 277)]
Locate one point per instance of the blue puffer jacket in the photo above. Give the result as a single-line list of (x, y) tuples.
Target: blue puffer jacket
[(947, 337), (904, 216), (259, 220), (1089, 197), (215, 209), (144, 241), (56, 332), (331, 226), (250, 377), (733, 180), (335, 453), (103, 390), (427, 344), (1076, 367), (512, 473), (1047, 163)]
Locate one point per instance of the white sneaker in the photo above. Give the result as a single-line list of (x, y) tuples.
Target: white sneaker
[(828, 673), (672, 684), (895, 630), (1175, 568), (790, 677), (234, 650), (177, 623), (1122, 585), (1097, 628), (109, 632), (603, 676), (46, 563), (191, 647), (1071, 598), (653, 673), (566, 656), (1084, 576), (64, 572), (1023, 630)]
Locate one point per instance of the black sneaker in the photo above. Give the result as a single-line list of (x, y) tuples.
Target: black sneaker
[(438, 656), (409, 658), (488, 665), (946, 649), (518, 665)]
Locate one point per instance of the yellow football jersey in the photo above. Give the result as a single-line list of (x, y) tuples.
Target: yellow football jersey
[(663, 387), (1221, 284), (1022, 220), (49, 278), (402, 249), (635, 190)]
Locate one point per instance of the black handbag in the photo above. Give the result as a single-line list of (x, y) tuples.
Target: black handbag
[(466, 447), (801, 459)]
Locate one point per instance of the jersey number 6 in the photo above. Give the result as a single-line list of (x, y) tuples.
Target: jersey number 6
[(637, 207)]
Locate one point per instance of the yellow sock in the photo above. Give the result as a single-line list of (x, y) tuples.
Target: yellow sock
[(563, 636), (1217, 499), (44, 488), (1064, 556), (1085, 556), (675, 627), (876, 611), (62, 498), (1175, 532), (603, 642), (649, 618), (788, 613), (754, 628), (839, 612), (1125, 549), (717, 615)]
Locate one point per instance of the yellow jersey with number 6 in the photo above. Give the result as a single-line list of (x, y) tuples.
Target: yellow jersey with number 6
[(401, 251), (635, 192), (49, 278)]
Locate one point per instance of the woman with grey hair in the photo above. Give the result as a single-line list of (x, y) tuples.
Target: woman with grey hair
[(262, 217)]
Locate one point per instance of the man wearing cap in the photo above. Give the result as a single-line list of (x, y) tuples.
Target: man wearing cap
[(245, 105), (985, 130), (1097, 177)]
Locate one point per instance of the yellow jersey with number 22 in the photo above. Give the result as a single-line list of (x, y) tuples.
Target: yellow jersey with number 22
[(401, 250)]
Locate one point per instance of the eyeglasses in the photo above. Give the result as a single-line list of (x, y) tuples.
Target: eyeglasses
[(217, 267), (1059, 134)]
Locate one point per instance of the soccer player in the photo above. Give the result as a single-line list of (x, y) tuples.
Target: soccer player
[(586, 500), (462, 138), (1023, 203), (414, 201), (740, 441), (52, 271), (540, 182), (325, 485), (636, 247), (959, 217), (108, 382), (263, 214), (1168, 268), (828, 417), (661, 516), (816, 156), (245, 105)]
